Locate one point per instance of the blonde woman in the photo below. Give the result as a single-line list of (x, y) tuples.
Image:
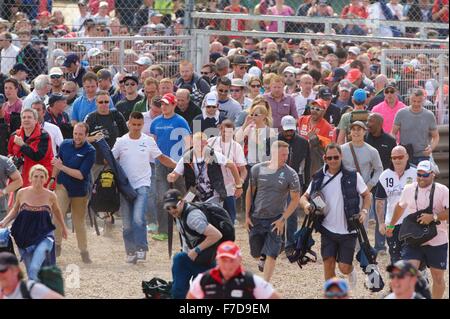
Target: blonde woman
[(32, 229), (240, 118), (254, 87)]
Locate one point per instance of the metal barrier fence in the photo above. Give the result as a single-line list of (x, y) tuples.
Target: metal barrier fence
[(428, 69), (119, 53)]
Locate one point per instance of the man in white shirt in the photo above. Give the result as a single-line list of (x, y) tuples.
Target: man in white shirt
[(134, 151), (306, 93), (41, 89), (8, 53), (53, 130), (84, 14)]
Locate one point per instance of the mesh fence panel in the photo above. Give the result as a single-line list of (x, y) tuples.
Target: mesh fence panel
[(426, 69)]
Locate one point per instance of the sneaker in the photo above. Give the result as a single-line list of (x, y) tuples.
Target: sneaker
[(152, 228), (141, 255), (352, 279), (85, 257), (160, 236), (261, 263), (131, 258), (58, 250)]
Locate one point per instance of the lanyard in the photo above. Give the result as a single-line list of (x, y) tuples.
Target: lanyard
[(328, 181), (430, 207)]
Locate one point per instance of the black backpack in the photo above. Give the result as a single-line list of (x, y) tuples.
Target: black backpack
[(216, 216), (105, 193)]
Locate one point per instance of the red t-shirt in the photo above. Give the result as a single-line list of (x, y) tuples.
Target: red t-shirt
[(241, 23), (360, 12), (438, 5), (323, 128)]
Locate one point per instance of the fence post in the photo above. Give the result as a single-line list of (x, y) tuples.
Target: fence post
[(51, 48), (188, 21), (440, 98), (383, 62), (121, 56)]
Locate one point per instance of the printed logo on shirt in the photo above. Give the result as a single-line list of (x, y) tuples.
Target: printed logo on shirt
[(409, 180), (237, 293), (80, 155)]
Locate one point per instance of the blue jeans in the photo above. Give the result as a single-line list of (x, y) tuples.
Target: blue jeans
[(34, 256), (416, 160), (291, 225), (183, 268), (152, 208), (134, 224), (229, 205), (380, 240)]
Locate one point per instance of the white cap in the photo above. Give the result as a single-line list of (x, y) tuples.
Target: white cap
[(231, 52), (103, 4), (55, 71), (254, 71), (93, 52), (237, 82), (144, 60), (354, 50), (211, 99), (291, 69), (326, 65), (288, 123), (426, 166)]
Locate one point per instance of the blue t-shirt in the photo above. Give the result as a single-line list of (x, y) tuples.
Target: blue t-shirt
[(82, 159), (81, 107), (169, 135)]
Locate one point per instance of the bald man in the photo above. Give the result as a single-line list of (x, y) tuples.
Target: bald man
[(216, 46), (389, 188), (186, 107), (380, 83)]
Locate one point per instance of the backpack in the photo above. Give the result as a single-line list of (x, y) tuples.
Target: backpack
[(157, 288), (217, 217), (105, 193), (51, 276)]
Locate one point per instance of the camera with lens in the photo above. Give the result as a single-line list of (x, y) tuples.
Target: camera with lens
[(18, 161), (317, 201)]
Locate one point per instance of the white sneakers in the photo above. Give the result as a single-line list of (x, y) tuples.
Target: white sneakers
[(352, 278)]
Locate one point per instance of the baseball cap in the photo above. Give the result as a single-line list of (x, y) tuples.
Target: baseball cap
[(56, 71), (288, 122), (336, 282), (325, 93), (291, 69), (103, 4), (144, 60), (228, 249), (339, 74), (104, 74), (369, 89), (239, 59), (82, 2), (131, 77), (359, 95), (404, 266), (92, 52), (172, 196), (55, 98), (360, 124), (425, 166), (2, 98), (237, 82), (353, 75), (345, 85), (71, 58), (323, 2), (354, 50), (211, 99), (214, 56), (7, 259), (319, 102), (21, 67), (169, 98), (390, 85)]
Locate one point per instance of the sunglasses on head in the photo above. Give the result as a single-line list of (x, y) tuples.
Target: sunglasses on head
[(424, 175), (335, 158), (389, 92), (400, 157)]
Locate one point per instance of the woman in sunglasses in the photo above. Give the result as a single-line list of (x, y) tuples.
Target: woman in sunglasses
[(254, 88)]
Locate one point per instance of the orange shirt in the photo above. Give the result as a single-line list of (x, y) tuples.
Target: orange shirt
[(323, 129)]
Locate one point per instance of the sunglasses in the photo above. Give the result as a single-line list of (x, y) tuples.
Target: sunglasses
[(242, 67), (55, 76), (330, 294), (4, 270), (400, 157), (335, 158), (235, 90), (170, 207), (389, 92), (103, 102), (204, 73), (130, 84), (423, 175), (66, 91), (224, 91), (211, 106), (255, 115), (317, 109), (255, 86)]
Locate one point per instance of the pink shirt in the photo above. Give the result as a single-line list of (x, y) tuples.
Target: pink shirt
[(388, 113), (10, 108), (440, 203), (287, 11)]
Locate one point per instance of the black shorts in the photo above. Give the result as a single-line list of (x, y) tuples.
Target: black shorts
[(264, 241), (341, 247), (433, 256)]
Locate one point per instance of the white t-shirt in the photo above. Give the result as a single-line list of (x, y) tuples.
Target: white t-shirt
[(134, 156), (392, 186), (232, 151), (55, 135), (8, 58), (37, 292), (262, 290), (392, 296), (301, 101), (335, 220), (201, 173)]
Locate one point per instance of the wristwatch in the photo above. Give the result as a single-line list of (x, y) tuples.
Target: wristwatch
[(197, 250)]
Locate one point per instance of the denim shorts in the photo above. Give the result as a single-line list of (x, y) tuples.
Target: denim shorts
[(264, 241), (433, 256), (339, 246)]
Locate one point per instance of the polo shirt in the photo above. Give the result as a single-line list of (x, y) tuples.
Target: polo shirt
[(279, 109), (384, 145), (82, 159), (82, 106)]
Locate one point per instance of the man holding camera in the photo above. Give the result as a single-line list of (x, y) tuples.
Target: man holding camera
[(335, 192), (416, 197)]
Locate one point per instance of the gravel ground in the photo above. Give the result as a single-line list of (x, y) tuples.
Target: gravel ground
[(110, 277)]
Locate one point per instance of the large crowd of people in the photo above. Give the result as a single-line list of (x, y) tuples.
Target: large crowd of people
[(262, 130)]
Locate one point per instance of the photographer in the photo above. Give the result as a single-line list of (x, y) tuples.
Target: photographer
[(336, 192), (416, 197)]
